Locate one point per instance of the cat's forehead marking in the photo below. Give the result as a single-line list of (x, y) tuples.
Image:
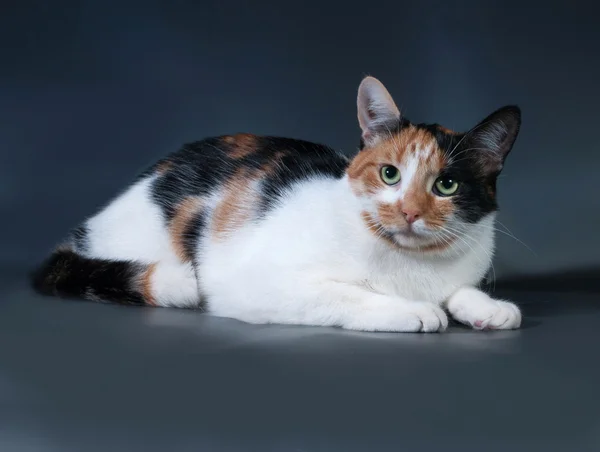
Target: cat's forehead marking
[(414, 150), (424, 158), (408, 171)]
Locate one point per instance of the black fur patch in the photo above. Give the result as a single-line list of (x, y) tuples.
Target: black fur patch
[(68, 275), (477, 158), (302, 161), (475, 197), (192, 233), (197, 169), (200, 167)]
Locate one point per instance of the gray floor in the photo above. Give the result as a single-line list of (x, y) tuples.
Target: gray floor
[(79, 376)]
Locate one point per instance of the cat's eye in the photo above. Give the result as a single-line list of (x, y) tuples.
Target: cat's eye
[(390, 174), (445, 186)]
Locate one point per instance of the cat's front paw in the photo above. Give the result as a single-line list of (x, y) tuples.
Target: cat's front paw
[(399, 316), (476, 309)]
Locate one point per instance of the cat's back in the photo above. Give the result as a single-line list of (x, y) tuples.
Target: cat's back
[(235, 168), (204, 192)]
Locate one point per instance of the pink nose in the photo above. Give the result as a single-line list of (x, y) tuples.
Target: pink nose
[(411, 215)]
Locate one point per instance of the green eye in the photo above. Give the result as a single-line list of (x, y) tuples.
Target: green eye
[(445, 186), (390, 174)]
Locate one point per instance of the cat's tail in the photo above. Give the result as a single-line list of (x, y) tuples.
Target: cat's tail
[(69, 275)]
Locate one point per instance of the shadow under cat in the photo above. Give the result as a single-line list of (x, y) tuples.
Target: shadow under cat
[(544, 295)]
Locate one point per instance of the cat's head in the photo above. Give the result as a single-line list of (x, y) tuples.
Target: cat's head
[(422, 186)]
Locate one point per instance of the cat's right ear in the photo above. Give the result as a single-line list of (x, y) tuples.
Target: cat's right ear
[(377, 112)]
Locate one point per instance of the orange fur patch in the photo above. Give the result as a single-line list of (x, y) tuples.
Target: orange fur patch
[(163, 167), (237, 205), (241, 145), (446, 130), (239, 199), (364, 169), (183, 215), (364, 173), (442, 208), (146, 285), (272, 165)]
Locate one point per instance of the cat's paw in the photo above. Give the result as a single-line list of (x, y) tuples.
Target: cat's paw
[(400, 316), (476, 309)]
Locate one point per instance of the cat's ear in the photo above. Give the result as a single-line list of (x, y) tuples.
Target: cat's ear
[(493, 138), (377, 112)]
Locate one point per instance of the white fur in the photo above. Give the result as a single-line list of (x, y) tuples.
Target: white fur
[(478, 310), (130, 228), (313, 261), (175, 284), (410, 167)]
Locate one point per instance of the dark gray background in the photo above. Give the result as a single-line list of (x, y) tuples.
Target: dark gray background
[(93, 91)]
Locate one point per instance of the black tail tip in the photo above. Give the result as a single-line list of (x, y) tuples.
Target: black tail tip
[(46, 278), (66, 274)]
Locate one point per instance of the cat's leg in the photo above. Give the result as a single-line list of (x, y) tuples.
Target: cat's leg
[(325, 303), (172, 283), (366, 311), (478, 310)]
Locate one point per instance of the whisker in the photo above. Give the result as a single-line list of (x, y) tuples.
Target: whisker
[(452, 158), (452, 236), (509, 234), (456, 233), (445, 239)]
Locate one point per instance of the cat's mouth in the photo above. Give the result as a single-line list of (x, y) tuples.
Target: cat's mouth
[(409, 231), (416, 241), (408, 237), (413, 239)]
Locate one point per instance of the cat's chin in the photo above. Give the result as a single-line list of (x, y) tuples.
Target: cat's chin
[(412, 240), (418, 241)]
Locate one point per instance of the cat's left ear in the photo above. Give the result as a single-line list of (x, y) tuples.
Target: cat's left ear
[(377, 112), (493, 138)]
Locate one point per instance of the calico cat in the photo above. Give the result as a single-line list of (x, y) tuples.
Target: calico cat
[(275, 230)]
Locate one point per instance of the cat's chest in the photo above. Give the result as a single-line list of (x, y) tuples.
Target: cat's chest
[(419, 281)]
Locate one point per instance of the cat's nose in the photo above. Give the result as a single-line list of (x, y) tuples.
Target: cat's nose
[(411, 215)]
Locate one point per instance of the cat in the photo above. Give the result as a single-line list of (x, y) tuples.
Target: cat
[(267, 229)]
